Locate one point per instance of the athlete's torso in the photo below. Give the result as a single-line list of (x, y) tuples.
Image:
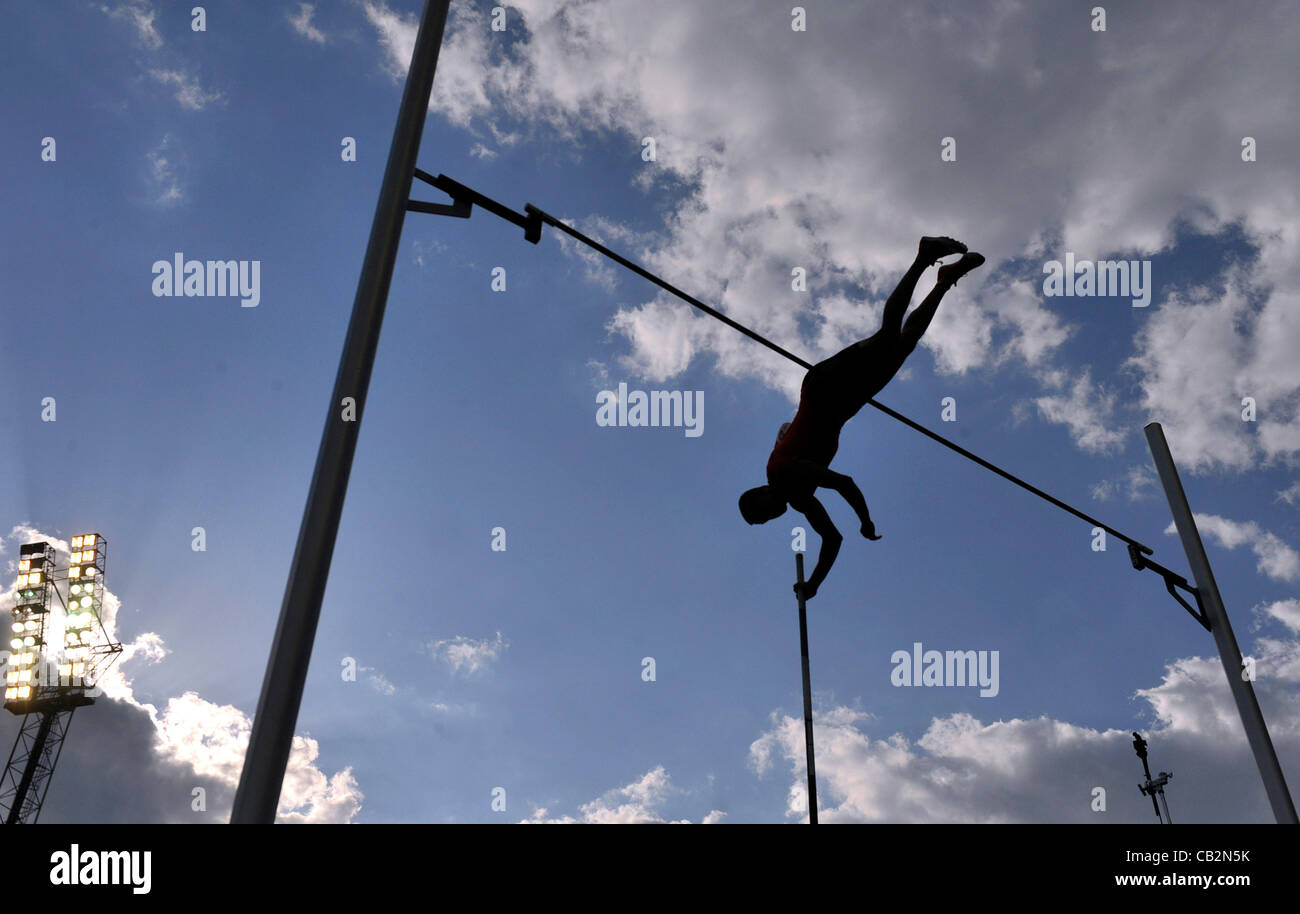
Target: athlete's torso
[(814, 434)]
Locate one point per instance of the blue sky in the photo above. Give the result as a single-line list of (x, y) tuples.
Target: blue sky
[(775, 148)]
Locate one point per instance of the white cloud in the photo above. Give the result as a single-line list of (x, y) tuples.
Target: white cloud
[(1285, 611), (963, 770), (1086, 412), (781, 159), (1277, 560), (427, 250), (599, 270), (1104, 490), (1191, 357), (638, 802), (1036, 332), (1291, 494), (397, 35), (378, 681), (195, 742), (302, 24), (166, 187), (467, 654), (188, 92), (1138, 482), (1141, 480), (140, 15)]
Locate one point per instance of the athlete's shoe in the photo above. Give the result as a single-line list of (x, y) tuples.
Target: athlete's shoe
[(950, 273)]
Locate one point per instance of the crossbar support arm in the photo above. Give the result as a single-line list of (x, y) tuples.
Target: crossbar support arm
[(1172, 580), (464, 199)]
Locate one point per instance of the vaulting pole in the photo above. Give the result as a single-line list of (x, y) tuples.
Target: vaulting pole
[(286, 670), (1208, 591), (807, 694)]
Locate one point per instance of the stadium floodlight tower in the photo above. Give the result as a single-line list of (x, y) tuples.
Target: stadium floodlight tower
[(46, 684)]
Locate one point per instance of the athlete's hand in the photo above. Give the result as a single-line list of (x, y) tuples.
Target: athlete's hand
[(869, 531), (809, 590)]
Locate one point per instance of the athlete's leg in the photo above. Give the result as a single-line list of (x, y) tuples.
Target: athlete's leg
[(930, 250), (851, 377), (919, 320), (851, 360), (901, 297)]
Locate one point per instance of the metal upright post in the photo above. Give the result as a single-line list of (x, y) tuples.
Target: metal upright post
[(286, 670), (807, 694), (1208, 591)]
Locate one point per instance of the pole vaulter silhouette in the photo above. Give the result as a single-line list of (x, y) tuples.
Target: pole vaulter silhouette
[(833, 392)]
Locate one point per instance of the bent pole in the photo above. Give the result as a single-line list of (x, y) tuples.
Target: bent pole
[(286, 669), (807, 694), (1242, 691)]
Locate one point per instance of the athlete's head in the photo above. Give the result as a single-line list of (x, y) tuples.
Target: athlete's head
[(760, 505)]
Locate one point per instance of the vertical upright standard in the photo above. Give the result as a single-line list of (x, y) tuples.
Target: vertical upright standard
[(258, 794), (807, 693), (1217, 617)]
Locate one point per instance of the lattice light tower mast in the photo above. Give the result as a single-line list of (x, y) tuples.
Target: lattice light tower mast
[(52, 665)]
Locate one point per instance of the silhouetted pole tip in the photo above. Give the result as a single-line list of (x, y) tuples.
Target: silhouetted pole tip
[(807, 691)]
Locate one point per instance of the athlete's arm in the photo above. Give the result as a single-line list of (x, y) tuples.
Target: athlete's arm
[(850, 492), (826, 478), (812, 509)]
